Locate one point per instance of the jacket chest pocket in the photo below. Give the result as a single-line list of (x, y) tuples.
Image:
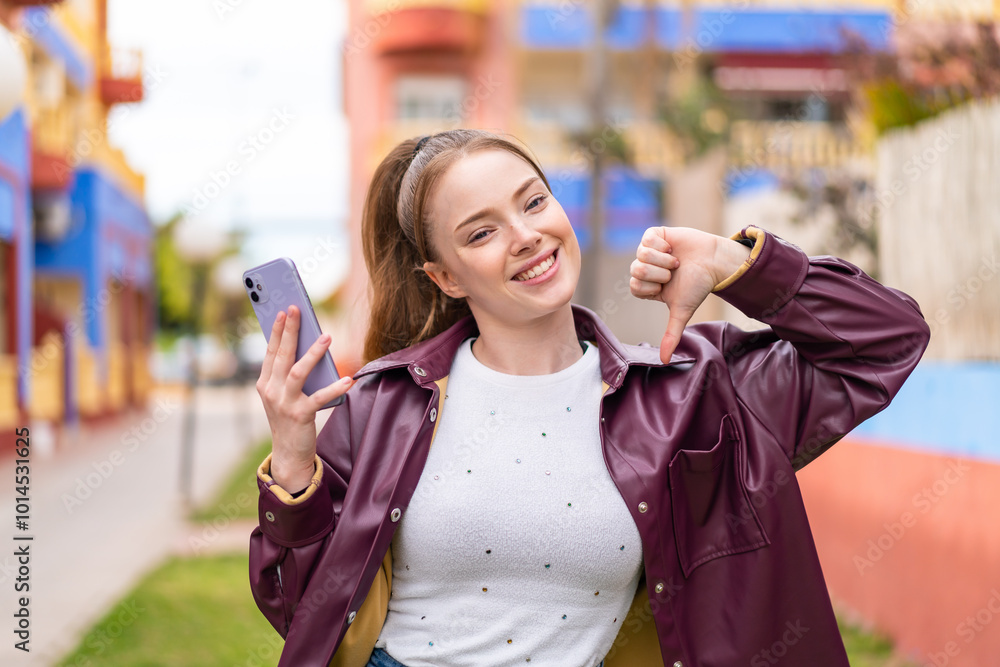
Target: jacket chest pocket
[(712, 512)]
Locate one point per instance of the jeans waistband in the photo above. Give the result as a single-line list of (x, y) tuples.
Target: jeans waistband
[(382, 659)]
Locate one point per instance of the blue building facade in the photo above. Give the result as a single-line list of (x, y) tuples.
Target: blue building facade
[(75, 236)]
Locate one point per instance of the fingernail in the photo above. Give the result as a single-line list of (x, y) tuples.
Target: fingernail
[(347, 379), (324, 338)]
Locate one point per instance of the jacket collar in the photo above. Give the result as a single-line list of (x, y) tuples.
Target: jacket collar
[(431, 359)]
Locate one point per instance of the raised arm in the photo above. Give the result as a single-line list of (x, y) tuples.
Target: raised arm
[(839, 347), (288, 540), (291, 532)]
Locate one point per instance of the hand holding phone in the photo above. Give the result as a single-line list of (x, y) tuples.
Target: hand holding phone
[(296, 358), (274, 287)]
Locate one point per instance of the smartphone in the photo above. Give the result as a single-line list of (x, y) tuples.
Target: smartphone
[(273, 287)]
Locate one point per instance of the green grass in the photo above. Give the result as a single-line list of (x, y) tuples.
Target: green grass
[(199, 612), (238, 499), (190, 612), (868, 648)]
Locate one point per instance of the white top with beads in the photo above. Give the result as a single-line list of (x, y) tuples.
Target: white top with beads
[(516, 546)]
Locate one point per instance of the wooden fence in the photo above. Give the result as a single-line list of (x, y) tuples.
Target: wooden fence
[(938, 216)]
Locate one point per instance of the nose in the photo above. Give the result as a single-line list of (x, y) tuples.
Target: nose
[(525, 236)]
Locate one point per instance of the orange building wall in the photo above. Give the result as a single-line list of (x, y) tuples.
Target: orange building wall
[(911, 541)]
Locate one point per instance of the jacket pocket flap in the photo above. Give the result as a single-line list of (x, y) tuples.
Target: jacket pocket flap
[(707, 491)]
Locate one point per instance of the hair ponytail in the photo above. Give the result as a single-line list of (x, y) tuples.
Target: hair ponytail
[(406, 306)]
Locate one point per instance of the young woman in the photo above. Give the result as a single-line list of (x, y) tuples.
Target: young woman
[(585, 501)]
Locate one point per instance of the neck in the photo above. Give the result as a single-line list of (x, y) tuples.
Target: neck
[(537, 347)]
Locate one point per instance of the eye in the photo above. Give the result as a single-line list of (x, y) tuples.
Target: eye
[(539, 199), (476, 236)]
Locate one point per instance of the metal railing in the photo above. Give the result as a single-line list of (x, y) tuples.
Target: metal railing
[(773, 144)]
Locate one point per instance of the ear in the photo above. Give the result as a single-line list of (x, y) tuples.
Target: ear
[(443, 279)]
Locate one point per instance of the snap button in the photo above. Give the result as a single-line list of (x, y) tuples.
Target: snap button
[(350, 617), (678, 664), (643, 507), (618, 379), (419, 371), (269, 515), (659, 587), (395, 514), (434, 413)]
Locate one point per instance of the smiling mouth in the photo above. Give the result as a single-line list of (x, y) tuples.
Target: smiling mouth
[(537, 270)]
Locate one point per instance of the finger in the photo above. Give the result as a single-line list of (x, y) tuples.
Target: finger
[(647, 255), (644, 289), (679, 317), (300, 369), (331, 391), (651, 273), (655, 238), (272, 346), (284, 357)]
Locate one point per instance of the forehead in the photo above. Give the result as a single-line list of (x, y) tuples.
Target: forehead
[(486, 178)]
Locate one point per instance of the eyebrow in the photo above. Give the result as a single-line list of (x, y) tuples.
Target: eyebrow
[(487, 211)]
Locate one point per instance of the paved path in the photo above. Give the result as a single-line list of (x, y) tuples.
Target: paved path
[(106, 509)]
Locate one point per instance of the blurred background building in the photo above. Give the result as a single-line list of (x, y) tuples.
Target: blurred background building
[(75, 262)]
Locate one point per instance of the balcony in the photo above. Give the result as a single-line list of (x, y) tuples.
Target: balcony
[(652, 147), (121, 76), (50, 171), (454, 27), (51, 142), (796, 145)]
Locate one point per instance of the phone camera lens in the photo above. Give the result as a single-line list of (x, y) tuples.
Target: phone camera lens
[(253, 295), (249, 282)]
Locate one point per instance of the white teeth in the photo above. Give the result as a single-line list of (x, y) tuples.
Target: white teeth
[(538, 270)]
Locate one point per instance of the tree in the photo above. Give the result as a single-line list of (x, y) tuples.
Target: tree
[(934, 69)]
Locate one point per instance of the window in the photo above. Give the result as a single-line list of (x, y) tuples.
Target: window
[(806, 110), (570, 114), (421, 97)]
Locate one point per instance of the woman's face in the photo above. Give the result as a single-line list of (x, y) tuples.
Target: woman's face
[(490, 217)]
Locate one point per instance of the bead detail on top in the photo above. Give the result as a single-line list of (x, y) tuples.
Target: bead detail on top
[(447, 533)]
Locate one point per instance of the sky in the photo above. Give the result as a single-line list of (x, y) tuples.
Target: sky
[(242, 122)]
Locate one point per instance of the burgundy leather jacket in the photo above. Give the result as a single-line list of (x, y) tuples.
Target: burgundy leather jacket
[(703, 450)]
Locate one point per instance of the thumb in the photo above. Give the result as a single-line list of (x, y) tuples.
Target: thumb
[(679, 317)]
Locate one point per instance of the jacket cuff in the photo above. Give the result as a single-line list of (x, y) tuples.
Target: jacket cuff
[(768, 279), (294, 521), (756, 241)]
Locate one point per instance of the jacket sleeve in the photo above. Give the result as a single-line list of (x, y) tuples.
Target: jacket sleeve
[(291, 532), (839, 347)]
